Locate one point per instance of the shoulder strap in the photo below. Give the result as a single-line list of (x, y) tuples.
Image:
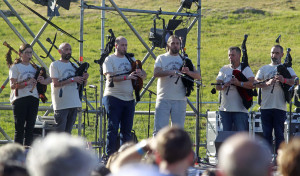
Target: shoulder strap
[(129, 57)]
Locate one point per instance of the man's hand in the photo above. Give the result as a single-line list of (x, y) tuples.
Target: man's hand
[(271, 82), (185, 70), (79, 79)]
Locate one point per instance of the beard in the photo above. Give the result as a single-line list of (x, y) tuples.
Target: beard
[(66, 56), (275, 60), (174, 50)]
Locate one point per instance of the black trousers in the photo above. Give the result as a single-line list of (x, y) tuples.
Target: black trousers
[(25, 110)]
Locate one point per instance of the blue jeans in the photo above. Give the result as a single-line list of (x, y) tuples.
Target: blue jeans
[(234, 121), (273, 119), (119, 114)]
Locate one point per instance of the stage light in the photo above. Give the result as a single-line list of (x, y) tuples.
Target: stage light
[(159, 37), (63, 3), (187, 3)]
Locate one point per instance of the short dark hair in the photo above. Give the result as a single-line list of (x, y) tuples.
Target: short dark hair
[(173, 144), (278, 46), (24, 46), (237, 49)]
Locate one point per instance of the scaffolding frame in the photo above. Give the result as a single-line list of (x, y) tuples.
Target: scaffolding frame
[(100, 110)]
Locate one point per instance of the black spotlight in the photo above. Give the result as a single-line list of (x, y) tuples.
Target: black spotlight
[(187, 3), (63, 3), (159, 37)]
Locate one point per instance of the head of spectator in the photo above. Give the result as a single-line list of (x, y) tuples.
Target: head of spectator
[(289, 158), (60, 154), (13, 168), (173, 151), (100, 170), (12, 152), (210, 172), (244, 155)]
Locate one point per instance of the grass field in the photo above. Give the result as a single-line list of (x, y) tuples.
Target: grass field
[(223, 24)]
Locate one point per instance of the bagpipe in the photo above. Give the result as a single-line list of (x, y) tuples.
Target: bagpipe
[(138, 83), (246, 94), (187, 80), (40, 71), (80, 69), (108, 48), (282, 69)]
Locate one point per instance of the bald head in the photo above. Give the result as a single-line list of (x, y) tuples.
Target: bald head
[(243, 155), (65, 50)]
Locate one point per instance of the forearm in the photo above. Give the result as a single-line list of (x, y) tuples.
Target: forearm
[(62, 83), (160, 73), (247, 85), (289, 81), (194, 74)]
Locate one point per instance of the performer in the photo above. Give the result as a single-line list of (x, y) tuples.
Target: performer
[(64, 91), (118, 99), (273, 105), (171, 99), (234, 115), (24, 96)]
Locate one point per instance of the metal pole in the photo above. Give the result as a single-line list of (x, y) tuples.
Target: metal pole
[(158, 12), (198, 89), (102, 83)]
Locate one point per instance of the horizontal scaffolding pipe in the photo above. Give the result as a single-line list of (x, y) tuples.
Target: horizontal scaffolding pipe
[(158, 12), (46, 108)]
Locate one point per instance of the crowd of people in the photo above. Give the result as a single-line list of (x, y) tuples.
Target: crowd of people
[(169, 153)]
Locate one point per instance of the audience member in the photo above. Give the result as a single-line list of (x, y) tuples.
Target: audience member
[(100, 170), (13, 168), (60, 154), (209, 172), (289, 158), (172, 148), (12, 152), (241, 155)]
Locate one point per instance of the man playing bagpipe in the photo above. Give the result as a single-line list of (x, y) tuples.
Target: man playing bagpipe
[(233, 107)]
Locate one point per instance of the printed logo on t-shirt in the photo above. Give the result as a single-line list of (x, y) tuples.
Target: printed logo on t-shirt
[(124, 67), (173, 65), (68, 73), (26, 75)]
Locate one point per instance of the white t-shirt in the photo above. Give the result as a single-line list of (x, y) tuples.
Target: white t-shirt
[(116, 65), (70, 96), (233, 101), (166, 87), (21, 73), (275, 100)]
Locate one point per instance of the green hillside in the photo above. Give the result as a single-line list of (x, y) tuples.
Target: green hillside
[(223, 24)]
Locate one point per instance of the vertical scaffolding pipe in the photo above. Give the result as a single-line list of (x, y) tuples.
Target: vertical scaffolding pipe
[(81, 30), (198, 92), (81, 59), (101, 108)]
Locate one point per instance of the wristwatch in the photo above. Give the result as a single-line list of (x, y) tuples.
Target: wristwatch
[(72, 79)]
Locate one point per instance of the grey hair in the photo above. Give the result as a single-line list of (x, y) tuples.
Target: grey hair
[(12, 152), (244, 155), (60, 154)]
